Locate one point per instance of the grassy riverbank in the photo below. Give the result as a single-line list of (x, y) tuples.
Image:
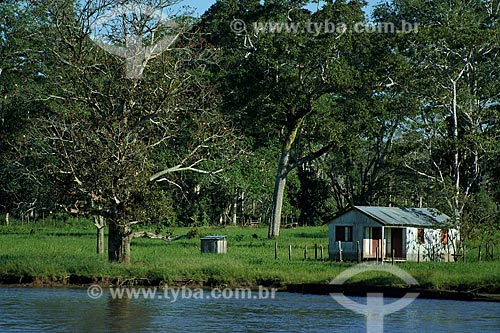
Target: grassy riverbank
[(56, 252)]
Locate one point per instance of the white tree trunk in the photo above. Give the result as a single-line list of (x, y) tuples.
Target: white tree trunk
[(234, 217), (456, 155), (100, 224), (279, 193), (281, 175)]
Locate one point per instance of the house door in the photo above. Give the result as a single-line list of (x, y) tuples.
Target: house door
[(377, 241), (397, 242)]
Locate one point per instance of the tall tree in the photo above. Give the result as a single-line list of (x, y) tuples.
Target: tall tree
[(362, 168), (278, 67), (112, 134), (20, 68), (455, 60)]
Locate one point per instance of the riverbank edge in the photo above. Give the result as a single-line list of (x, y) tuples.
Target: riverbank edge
[(395, 291), (75, 281)]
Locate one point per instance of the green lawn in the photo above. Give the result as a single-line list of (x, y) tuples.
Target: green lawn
[(56, 250)]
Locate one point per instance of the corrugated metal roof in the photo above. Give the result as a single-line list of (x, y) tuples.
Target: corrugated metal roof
[(410, 217), (215, 237)]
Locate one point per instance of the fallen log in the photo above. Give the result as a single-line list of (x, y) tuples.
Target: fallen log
[(166, 238)]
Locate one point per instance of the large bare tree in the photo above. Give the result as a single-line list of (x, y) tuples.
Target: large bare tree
[(124, 105)]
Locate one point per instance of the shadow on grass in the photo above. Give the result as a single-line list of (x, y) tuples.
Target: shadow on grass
[(149, 243), (35, 232), (310, 235), (69, 234)]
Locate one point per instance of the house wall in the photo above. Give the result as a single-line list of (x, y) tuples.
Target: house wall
[(358, 221), (431, 249)]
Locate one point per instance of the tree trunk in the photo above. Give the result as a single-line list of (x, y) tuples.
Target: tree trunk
[(119, 238), (456, 154), (100, 241), (100, 224), (280, 183), (279, 192), (234, 218)]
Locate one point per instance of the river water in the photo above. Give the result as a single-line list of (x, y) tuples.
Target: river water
[(72, 310)]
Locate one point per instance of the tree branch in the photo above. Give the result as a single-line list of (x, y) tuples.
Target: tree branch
[(150, 235), (311, 157)]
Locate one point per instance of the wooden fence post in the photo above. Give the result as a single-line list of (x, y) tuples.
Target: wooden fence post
[(321, 252), (479, 253), (358, 252), (393, 255), (315, 251), (305, 253), (275, 250), (289, 252), (418, 253)]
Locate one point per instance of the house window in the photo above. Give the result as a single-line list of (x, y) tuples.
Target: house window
[(420, 236), (444, 236), (343, 233)]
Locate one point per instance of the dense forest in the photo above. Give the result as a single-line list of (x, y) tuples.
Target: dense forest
[(214, 125)]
